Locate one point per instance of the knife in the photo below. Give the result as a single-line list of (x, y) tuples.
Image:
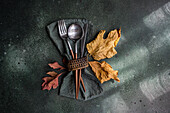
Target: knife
[(83, 41)]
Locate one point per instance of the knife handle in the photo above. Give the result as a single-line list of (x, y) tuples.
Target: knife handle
[(80, 79), (82, 82)]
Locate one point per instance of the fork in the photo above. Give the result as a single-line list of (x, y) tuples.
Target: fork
[(63, 34)]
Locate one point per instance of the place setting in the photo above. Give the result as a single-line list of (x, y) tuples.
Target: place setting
[(81, 73)]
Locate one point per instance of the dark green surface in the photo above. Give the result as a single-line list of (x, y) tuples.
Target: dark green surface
[(142, 59)]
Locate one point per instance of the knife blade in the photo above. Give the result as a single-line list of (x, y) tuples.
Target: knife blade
[(83, 40)]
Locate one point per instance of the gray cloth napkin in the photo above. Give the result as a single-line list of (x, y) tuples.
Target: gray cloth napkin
[(92, 85)]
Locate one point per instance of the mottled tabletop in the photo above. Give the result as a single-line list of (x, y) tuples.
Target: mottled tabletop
[(143, 58)]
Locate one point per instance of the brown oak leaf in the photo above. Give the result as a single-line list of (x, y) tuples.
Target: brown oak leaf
[(52, 81), (104, 48), (55, 65), (104, 71)]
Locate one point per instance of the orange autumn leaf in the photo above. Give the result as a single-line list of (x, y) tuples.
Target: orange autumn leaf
[(55, 65), (104, 71), (104, 48), (52, 81)]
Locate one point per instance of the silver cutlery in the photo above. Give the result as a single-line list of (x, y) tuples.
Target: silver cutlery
[(63, 34)]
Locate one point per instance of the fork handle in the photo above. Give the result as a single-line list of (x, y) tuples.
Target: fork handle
[(69, 45), (72, 54), (71, 50)]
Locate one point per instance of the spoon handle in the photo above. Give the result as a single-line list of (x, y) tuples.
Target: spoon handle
[(78, 81), (76, 75), (76, 78)]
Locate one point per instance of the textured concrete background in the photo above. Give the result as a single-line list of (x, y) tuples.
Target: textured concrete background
[(142, 59)]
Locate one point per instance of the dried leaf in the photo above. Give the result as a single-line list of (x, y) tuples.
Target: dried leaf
[(55, 65), (51, 82), (104, 48), (104, 71)]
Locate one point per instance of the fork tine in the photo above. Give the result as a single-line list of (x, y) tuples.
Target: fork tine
[(62, 26), (65, 28), (59, 27)]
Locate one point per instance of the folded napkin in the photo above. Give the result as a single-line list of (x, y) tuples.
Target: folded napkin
[(92, 85)]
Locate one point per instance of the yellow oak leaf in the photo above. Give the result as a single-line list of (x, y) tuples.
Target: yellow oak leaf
[(104, 48), (104, 71)]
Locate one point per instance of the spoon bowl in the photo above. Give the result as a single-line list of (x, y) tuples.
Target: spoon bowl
[(75, 32)]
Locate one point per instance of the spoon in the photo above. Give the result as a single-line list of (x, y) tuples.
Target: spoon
[(75, 33)]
